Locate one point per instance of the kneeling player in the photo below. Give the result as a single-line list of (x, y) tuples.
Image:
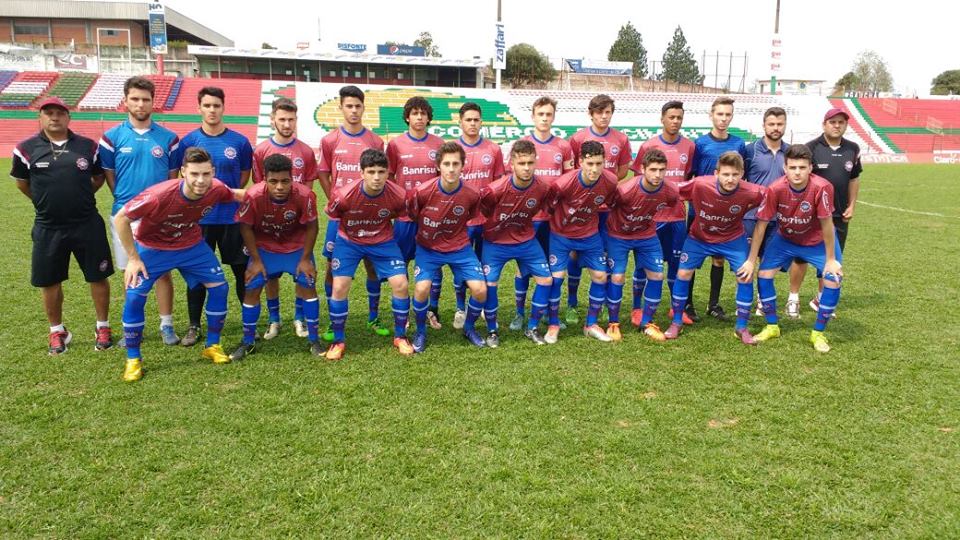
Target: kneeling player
[(798, 201), (278, 223), (169, 238), (631, 228), (365, 211), (510, 205), (719, 203)]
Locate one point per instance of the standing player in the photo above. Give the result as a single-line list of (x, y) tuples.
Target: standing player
[(632, 229), (510, 204), (574, 228), (135, 155), (708, 150), (169, 238), (441, 209), (278, 223), (284, 141), (365, 210), (617, 158), (671, 223), (554, 157), (719, 203), (60, 172), (232, 158), (340, 152), (798, 202)]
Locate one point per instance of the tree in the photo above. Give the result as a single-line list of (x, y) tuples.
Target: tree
[(526, 66), (872, 74), (426, 41), (946, 83), (847, 83), (679, 65), (629, 48), (266, 45)]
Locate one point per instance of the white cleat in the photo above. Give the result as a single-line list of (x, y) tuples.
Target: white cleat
[(273, 330), (596, 333), (459, 319)]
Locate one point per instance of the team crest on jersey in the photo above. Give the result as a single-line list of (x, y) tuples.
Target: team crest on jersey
[(683, 159), (329, 247), (531, 202), (383, 212), (558, 158), (553, 259), (334, 263), (571, 211), (804, 207), (432, 155), (156, 152), (206, 210), (298, 162), (615, 150), (848, 166), (458, 210), (661, 206), (289, 215), (230, 152), (486, 159), (598, 199), (735, 209), (83, 164)]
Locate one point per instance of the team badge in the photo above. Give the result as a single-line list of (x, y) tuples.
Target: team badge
[(245, 251), (684, 257), (206, 210), (558, 158), (486, 159), (83, 164), (571, 211), (683, 159), (383, 212), (735, 209), (329, 247), (334, 263), (599, 199), (531, 203), (298, 162), (486, 269), (230, 152), (614, 150), (432, 155), (416, 270), (103, 265), (458, 210), (804, 207), (289, 215), (661, 206), (609, 262), (553, 259), (156, 152), (848, 166)]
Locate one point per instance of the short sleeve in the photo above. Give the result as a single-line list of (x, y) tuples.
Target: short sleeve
[(245, 212), (142, 205), (392, 158), (325, 156), (309, 210), (20, 166), (246, 155), (768, 206), (174, 154), (106, 153)]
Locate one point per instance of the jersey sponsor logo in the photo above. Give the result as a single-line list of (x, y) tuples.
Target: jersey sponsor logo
[(598, 199), (42, 164), (458, 210), (486, 159), (83, 164), (334, 263), (383, 212), (558, 158), (848, 166), (128, 149), (230, 152), (531, 202), (804, 207), (156, 151), (298, 162), (289, 215), (735, 209)]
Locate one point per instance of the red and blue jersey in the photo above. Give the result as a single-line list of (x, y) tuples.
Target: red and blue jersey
[(340, 156), (232, 155), (575, 205), (616, 147), (679, 166), (304, 161), (510, 209), (279, 227), (170, 221), (718, 216), (483, 164), (442, 216), (413, 161), (551, 155), (634, 212), (798, 213), (367, 219)]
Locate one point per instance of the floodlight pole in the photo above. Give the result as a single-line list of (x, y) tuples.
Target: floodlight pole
[(776, 36), (499, 19)]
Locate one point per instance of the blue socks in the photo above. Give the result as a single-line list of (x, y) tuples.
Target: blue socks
[(473, 313), (828, 303), (297, 309), (311, 314), (250, 315), (216, 312), (744, 304), (373, 299), (420, 313), (768, 296), (652, 294), (614, 299), (681, 291), (490, 308), (460, 290), (273, 309), (573, 282), (401, 312), (639, 284), (338, 318), (541, 298), (598, 294), (520, 286), (133, 321), (554, 302), (436, 287)]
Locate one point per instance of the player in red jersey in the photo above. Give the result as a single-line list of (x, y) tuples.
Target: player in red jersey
[(632, 228), (366, 210), (672, 223), (284, 141), (442, 208), (554, 157), (339, 169), (617, 156), (719, 202), (802, 205), (278, 222)]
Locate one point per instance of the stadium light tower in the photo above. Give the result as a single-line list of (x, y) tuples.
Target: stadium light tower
[(775, 51)]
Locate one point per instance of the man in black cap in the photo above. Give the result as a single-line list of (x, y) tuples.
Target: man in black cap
[(60, 172)]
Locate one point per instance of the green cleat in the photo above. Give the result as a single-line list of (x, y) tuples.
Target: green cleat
[(328, 335), (820, 343), (375, 326), (571, 316), (769, 331)]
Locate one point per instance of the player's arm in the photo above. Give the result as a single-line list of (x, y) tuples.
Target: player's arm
[(255, 266), (135, 266), (306, 266), (97, 181), (324, 179), (110, 177), (853, 191), (829, 243), (244, 178), (24, 187), (749, 267)]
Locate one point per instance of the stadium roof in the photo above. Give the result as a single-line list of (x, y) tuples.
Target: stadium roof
[(125, 11), (308, 55)]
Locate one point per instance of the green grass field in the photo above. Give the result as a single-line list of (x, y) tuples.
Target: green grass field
[(701, 437)]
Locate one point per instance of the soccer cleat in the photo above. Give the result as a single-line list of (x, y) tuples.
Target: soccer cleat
[(103, 339), (403, 346), (745, 336), (168, 336), (769, 331), (474, 338), (793, 309), (716, 311), (673, 331), (316, 349), (759, 310), (300, 327), (552, 335), (59, 342), (242, 351), (517, 323), (215, 354), (613, 332), (377, 329), (686, 317), (691, 311), (459, 319), (433, 319), (596, 333), (335, 352), (820, 343), (571, 316), (327, 336), (636, 316), (273, 330), (493, 340), (533, 335), (133, 370), (419, 342), (653, 332), (191, 337)]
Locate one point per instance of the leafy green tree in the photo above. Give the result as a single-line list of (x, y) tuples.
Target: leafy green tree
[(629, 48), (872, 74), (679, 65), (847, 83), (426, 41), (526, 66), (946, 83)]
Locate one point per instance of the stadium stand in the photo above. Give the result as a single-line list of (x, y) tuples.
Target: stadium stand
[(174, 94), (71, 87), (6, 77), (105, 94), (26, 87), (242, 95), (163, 83)]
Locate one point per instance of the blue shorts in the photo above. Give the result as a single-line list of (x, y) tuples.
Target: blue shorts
[(529, 256), (694, 252), (330, 238), (646, 252), (197, 264), (277, 264), (462, 262), (781, 252), (405, 233), (475, 234), (385, 257), (589, 249), (672, 235), (748, 227)]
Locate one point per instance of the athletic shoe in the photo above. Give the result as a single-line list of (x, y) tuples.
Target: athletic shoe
[(433, 319), (241, 351), (673, 331), (571, 316), (459, 319), (596, 333), (300, 327), (552, 335), (168, 336), (716, 311), (769, 331), (793, 309), (636, 316), (327, 336), (133, 370), (745, 336), (613, 332), (419, 342), (691, 312), (686, 317), (815, 305), (316, 348), (191, 337), (493, 340), (820, 343), (474, 338), (336, 351), (403, 346), (59, 342), (533, 335), (517, 323), (103, 339), (653, 332), (759, 310), (273, 330), (215, 354), (377, 329)]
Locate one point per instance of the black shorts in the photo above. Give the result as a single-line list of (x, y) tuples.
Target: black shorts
[(52, 248), (227, 238), (841, 226)]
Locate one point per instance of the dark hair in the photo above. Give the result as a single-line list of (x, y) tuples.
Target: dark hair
[(351, 91), (140, 83), (654, 155), (722, 100), (277, 163), (671, 105), (470, 106), (731, 159), (599, 103), (798, 151), (591, 148), (450, 148), (774, 111), (195, 154), (544, 100), (417, 102), (371, 157), (284, 104), (212, 91), (524, 147)]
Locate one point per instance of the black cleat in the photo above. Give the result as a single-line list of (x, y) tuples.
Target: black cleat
[(718, 313)]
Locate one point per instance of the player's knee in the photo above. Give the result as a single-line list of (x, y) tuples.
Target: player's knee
[(598, 276), (306, 293), (544, 281), (655, 276), (399, 285), (684, 274), (618, 279), (768, 274), (831, 280)]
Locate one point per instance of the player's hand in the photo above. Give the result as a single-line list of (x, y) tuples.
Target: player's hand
[(254, 269), (848, 213), (306, 267), (745, 272), (131, 274), (832, 266)]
